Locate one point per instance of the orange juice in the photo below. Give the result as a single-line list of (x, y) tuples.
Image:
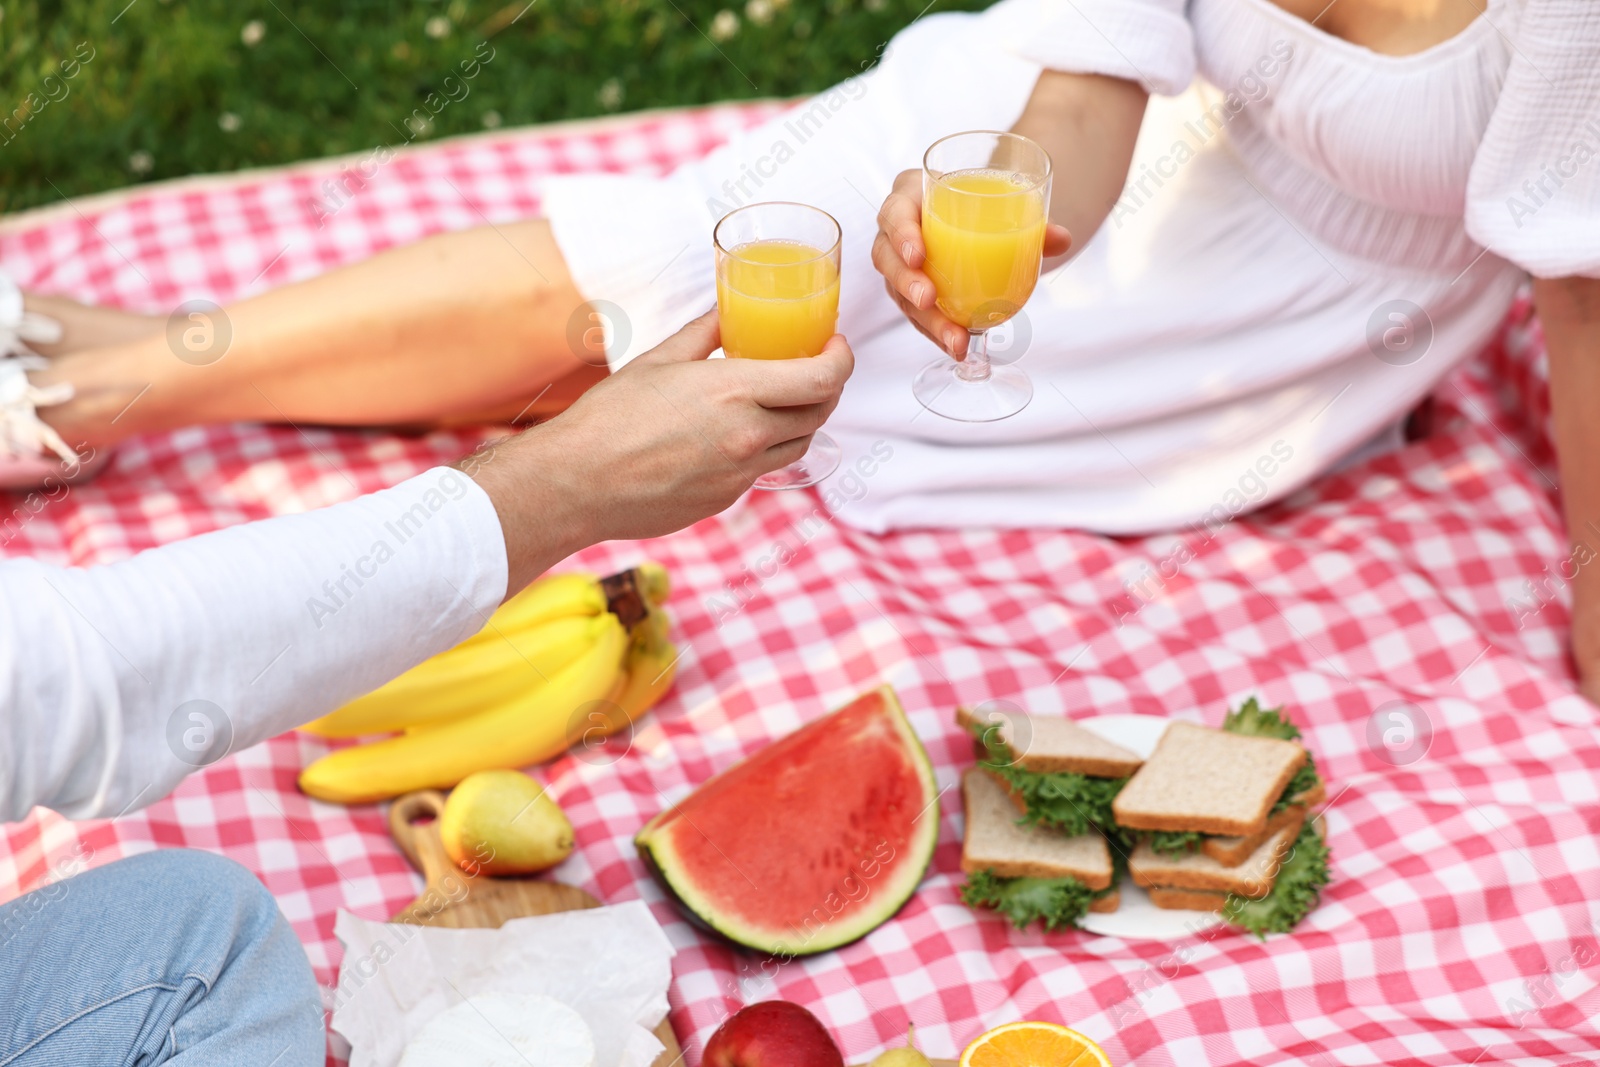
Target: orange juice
[(984, 231), (778, 300)]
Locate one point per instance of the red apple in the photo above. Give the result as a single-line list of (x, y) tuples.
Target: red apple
[(774, 1033)]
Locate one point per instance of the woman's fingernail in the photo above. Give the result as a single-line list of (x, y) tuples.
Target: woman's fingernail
[(918, 291), (906, 251)]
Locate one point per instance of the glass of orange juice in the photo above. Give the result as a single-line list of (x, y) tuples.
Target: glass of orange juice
[(985, 201), (778, 298)]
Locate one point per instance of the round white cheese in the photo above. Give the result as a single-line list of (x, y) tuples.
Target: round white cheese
[(503, 1030)]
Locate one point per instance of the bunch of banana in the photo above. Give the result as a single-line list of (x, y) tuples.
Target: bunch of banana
[(556, 665)]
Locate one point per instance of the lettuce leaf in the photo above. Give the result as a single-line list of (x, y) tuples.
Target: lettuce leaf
[(1175, 843), (1058, 903), (1252, 720), (1304, 780), (1071, 803), (1296, 891)]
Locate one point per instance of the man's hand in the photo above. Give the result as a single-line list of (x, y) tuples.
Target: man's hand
[(667, 441), (901, 256)]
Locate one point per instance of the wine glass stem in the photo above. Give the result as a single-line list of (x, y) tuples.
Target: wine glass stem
[(975, 368)]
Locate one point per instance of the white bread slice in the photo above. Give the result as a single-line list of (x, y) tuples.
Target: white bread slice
[(1252, 878), (994, 841), (1186, 899), (1210, 781), (1050, 744), (1232, 851)]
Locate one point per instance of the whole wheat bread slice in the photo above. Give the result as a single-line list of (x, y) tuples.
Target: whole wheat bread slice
[(1210, 781), (1050, 744), (1232, 851), (1252, 878), (1186, 899), (1110, 902), (1018, 801), (996, 843)]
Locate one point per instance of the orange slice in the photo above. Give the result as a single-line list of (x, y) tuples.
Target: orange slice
[(1028, 1044)]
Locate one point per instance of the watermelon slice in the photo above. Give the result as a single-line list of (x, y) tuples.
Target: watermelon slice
[(809, 844)]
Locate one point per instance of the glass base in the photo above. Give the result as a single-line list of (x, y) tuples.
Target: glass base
[(820, 460), (941, 389)]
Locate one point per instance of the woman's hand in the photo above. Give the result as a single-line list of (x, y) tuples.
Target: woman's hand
[(665, 442), (901, 257), (1088, 123)]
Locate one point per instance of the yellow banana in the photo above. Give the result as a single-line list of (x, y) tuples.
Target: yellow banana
[(531, 729), (654, 582), (651, 668), (651, 672), (553, 597), (465, 679)]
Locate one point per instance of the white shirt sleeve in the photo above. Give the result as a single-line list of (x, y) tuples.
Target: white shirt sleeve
[(1534, 193), (116, 681), (1147, 41)]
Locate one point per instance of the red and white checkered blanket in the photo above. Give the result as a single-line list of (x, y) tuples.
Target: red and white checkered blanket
[(1459, 927)]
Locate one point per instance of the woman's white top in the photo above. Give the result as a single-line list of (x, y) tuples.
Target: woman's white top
[(116, 681), (1308, 242)]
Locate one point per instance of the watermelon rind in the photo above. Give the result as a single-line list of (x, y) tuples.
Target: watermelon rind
[(655, 849)]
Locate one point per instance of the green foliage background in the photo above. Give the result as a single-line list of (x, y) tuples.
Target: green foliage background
[(177, 86)]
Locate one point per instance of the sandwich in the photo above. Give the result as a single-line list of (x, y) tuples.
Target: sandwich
[(1218, 821), (1030, 873), (1058, 774), (1215, 820), (1293, 877)]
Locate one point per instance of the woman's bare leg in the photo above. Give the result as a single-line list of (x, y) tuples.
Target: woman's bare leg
[(457, 327)]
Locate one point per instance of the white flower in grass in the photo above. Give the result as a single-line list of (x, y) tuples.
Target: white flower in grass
[(491, 120), (724, 25), (610, 94), (228, 121), (252, 33), (874, 5), (141, 162), (760, 12), (437, 27)]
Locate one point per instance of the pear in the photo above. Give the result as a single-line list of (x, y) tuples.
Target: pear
[(907, 1055), (503, 822)]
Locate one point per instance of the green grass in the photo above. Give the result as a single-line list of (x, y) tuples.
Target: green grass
[(162, 89)]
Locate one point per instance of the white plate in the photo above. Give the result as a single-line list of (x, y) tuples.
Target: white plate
[(1136, 919)]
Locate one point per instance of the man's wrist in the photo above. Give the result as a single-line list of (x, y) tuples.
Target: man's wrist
[(543, 518)]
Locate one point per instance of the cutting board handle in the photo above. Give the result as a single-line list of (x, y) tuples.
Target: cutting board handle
[(456, 899), (414, 824)]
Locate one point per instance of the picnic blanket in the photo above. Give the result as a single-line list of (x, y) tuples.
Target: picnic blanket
[(1411, 612)]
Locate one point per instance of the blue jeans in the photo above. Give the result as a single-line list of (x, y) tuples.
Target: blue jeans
[(170, 957)]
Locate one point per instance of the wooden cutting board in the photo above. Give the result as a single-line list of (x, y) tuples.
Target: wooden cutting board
[(456, 899)]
